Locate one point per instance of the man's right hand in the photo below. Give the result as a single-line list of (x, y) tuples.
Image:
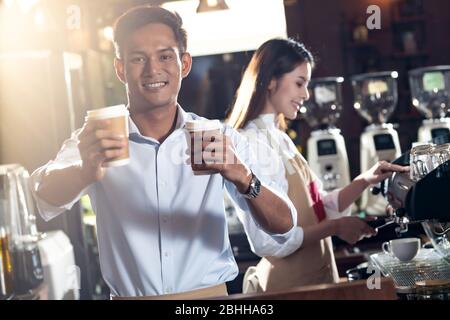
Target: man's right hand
[(353, 229), (97, 144)]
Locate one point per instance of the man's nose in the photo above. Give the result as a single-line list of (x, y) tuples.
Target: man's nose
[(152, 67)]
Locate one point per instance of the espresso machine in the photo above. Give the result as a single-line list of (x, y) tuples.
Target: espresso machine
[(375, 98), (420, 197), (430, 93), (22, 270), (327, 154)]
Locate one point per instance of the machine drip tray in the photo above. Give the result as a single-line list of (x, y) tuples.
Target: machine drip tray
[(427, 265)]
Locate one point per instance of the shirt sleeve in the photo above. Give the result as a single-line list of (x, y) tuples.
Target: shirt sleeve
[(331, 202), (68, 155), (263, 162)]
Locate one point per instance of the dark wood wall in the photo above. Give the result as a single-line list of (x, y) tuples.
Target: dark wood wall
[(326, 27)]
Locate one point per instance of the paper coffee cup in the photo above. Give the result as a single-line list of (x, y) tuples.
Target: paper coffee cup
[(118, 116), (202, 129)]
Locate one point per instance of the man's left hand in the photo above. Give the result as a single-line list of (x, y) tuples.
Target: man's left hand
[(217, 153)]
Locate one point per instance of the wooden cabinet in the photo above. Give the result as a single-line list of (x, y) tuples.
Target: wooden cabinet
[(355, 290)]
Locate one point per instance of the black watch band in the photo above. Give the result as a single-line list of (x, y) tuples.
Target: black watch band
[(254, 188)]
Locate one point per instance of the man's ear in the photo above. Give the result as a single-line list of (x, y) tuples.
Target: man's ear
[(120, 69), (186, 64)]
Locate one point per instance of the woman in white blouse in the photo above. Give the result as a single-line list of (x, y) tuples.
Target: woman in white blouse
[(274, 87)]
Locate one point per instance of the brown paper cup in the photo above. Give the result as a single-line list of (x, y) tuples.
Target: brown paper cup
[(118, 116), (200, 130)]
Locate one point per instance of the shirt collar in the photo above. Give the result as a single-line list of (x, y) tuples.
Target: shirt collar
[(135, 134), (269, 120)]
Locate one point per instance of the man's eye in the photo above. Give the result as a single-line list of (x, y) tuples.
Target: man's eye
[(300, 84), (138, 60), (166, 57)]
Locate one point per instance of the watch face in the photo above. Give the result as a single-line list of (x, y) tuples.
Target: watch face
[(254, 188)]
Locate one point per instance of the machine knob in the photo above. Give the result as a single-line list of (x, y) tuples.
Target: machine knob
[(375, 190), (400, 212), (329, 167)]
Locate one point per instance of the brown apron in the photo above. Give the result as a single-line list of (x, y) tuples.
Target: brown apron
[(313, 264)]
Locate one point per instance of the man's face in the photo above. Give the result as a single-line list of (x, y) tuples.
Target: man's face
[(151, 67)]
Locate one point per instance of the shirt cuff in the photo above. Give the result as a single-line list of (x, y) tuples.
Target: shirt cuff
[(331, 204)]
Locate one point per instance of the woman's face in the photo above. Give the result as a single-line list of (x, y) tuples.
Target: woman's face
[(287, 94)]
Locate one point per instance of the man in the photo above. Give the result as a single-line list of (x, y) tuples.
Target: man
[(161, 228)]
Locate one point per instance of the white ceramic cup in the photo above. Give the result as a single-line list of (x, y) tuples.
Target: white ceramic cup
[(118, 115), (200, 131), (403, 249)]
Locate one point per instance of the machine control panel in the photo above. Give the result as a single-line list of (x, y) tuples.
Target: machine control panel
[(437, 132), (326, 147), (383, 142)]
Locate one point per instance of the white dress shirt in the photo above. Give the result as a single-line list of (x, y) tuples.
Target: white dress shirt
[(160, 228), (274, 171)]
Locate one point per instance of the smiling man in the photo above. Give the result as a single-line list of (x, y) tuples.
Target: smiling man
[(162, 230)]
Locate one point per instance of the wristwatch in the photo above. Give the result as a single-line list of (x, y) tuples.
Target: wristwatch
[(254, 188)]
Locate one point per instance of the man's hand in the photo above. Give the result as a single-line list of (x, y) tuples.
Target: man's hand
[(216, 152), (381, 171), (96, 145)]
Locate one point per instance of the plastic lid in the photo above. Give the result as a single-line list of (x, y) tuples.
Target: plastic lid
[(203, 125), (108, 112)]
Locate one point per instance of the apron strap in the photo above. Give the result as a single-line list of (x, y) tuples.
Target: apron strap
[(294, 163)]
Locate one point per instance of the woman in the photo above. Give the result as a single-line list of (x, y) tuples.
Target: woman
[(274, 87)]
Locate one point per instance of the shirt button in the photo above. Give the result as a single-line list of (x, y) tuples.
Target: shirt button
[(166, 254), (165, 220), (162, 183), (168, 290)]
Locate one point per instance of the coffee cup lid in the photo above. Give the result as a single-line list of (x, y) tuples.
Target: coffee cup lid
[(108, 112), (203, 125)]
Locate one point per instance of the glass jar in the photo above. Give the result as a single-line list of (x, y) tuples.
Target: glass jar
[(420, 161), (440, 154)]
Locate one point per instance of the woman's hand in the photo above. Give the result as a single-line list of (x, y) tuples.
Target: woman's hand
[(353, 229), (381, 171)]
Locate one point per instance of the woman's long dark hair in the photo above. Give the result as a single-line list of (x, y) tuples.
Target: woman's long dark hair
[(272, 60)]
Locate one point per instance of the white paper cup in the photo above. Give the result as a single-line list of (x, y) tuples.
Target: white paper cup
[(118, 115)]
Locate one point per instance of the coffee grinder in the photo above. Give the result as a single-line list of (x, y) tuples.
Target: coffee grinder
[(375, 98), (327, 154), (430, 92)]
